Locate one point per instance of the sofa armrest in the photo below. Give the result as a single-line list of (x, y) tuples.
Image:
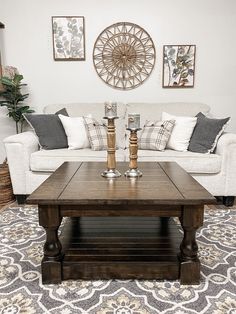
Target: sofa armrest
[(226, 148), (19, 147), (225, 141)]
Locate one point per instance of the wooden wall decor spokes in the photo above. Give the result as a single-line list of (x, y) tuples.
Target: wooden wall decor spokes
[(124, 55)]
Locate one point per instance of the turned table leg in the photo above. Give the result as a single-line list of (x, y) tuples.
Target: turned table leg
[(191, 219), (49, 219)]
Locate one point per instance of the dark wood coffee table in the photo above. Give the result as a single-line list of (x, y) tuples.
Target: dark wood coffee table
[(120, 228)]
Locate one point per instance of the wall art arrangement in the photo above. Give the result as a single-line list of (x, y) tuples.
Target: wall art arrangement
[(68, 38), (178, 66), (124, 55)]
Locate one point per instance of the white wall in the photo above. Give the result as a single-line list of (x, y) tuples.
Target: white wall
[(210, 24)]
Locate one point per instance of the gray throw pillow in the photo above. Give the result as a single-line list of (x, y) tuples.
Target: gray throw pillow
[(206, 134), (49, 129), (62, 111)]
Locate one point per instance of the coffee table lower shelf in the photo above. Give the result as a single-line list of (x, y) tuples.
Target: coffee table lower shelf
[(120, 248)]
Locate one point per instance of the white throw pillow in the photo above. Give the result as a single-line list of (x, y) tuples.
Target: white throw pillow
[(182, 131), (75, 131)]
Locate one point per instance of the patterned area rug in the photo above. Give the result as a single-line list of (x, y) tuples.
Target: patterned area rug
[(21, 289)]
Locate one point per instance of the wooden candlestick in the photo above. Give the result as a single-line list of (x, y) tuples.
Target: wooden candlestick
[(133, 155), (111, 171)]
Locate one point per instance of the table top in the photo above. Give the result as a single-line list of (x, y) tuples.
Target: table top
[(81, 183)]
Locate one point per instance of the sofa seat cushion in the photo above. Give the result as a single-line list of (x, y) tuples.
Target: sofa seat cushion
[(191, 162), (50, 160)]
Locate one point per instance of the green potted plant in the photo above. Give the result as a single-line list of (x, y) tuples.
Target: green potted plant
[(13, 98)]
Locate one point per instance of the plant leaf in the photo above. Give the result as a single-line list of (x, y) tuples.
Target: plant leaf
[(7, 81)]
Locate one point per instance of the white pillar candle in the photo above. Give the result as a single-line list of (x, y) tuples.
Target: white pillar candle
[(110, 109), (133, 121)]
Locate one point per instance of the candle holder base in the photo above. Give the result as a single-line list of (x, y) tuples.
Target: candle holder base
[(133, 173), (111, 173)]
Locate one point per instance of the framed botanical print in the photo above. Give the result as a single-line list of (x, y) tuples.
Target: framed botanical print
[(178, 66), (68, 38)]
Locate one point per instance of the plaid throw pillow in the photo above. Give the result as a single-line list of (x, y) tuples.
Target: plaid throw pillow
[(155, 134), (97, 133)]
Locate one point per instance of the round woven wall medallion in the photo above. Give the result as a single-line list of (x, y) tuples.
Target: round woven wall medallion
[(124, 55)]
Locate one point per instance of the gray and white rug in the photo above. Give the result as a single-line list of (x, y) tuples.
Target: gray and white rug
[(21, 289)]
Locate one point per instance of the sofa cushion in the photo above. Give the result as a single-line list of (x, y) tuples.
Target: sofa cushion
[(206, 134), (191, 162), (155, 134), (49, 130), (63, 112), (97, 111), (182, 131), (75, 130), (153, 111), (50, 160), (97, 133)]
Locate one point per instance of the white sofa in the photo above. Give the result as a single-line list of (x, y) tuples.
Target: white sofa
[(29, 166)]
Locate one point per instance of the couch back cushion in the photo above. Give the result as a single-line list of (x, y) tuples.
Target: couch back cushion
[(153, 111), (147, 111), (97, 111), (84, 109)]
